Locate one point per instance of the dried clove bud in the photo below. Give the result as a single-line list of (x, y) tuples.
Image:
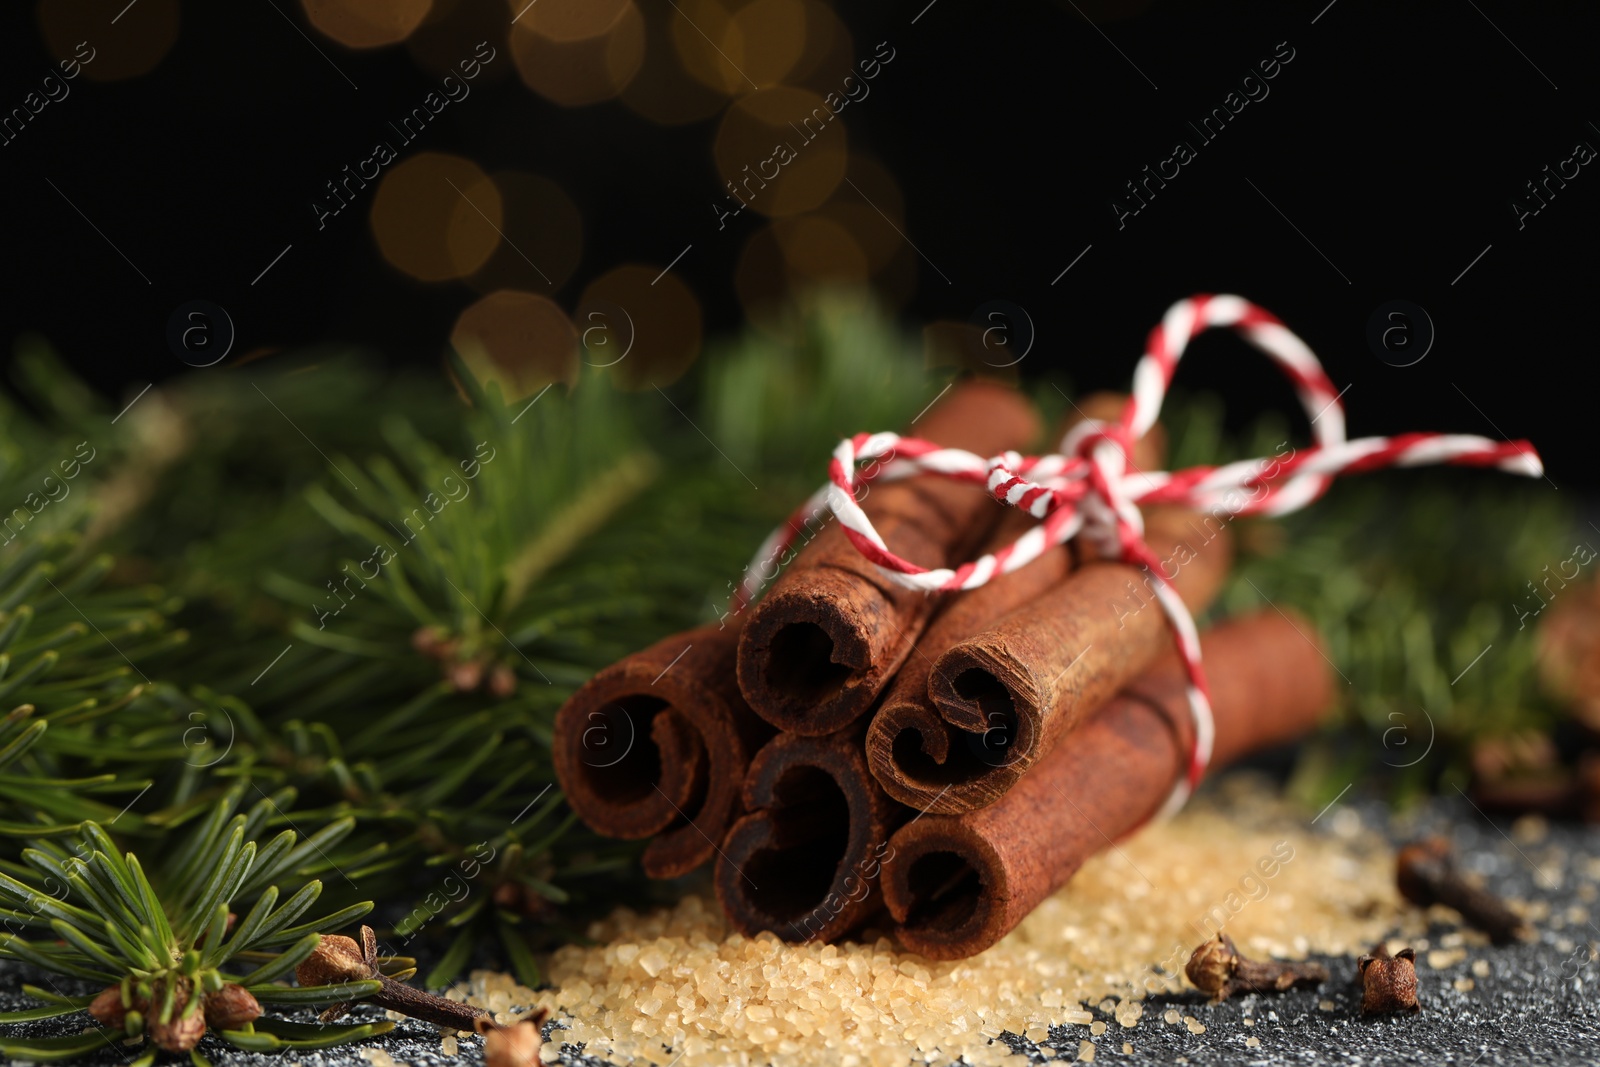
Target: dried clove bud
[(1217, 968), (516, 1045), (1388, 983), (339, 959), (1426, 874), (231, 1007)]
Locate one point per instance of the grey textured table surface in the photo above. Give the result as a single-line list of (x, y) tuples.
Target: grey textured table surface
[(1539, 1003)]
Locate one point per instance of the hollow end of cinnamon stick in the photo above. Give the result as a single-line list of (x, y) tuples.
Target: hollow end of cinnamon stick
[(942, 758), (919, 758), (814, 657), (632, 762), (959, 883), (947, 889), (922, 757), (819, 649), (1012, 692), (804, 863), (995, 703), (657, 745)]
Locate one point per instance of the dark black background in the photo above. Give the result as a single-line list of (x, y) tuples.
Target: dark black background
[(1394, 141)]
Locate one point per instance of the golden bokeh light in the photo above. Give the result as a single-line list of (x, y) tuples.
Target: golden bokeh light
[(829, 53), (79, 32), (543, 236), (366, 23), (574, 71), (819, 251), (568, 20), (871, 209), (451, 34), (786, 262), (519, 341), (736, 48), (782, 151), (663, 92), (642, 324), (765, 39), (437, 217), (855, 241), (697, 27)]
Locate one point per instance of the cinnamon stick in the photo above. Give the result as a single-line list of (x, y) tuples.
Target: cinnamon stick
[(657, 745), (820, 647), (805, 862), (919, 757), (957, 884), (1020, 686)]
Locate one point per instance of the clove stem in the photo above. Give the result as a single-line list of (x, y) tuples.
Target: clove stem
[(1218, 968), (340, 959), (420, 1004), (1426, 875)]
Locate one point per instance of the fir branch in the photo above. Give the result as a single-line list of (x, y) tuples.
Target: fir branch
[(160, 943)]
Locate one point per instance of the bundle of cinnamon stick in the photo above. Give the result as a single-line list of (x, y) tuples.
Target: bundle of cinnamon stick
[(850, 748)]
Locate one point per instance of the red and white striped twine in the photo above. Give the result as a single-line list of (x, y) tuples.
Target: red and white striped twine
[(1087, 488)]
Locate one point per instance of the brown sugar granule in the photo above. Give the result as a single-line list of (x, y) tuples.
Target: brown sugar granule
[(1086, 1051), (680, 979)]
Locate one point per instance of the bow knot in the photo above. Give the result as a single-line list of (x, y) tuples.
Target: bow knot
[(1091, 488)]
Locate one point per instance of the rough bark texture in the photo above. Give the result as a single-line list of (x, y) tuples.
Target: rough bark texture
[(820, 647), (919, 757), (1034, 675), (804, 863), (657, 744), (957, 884)]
